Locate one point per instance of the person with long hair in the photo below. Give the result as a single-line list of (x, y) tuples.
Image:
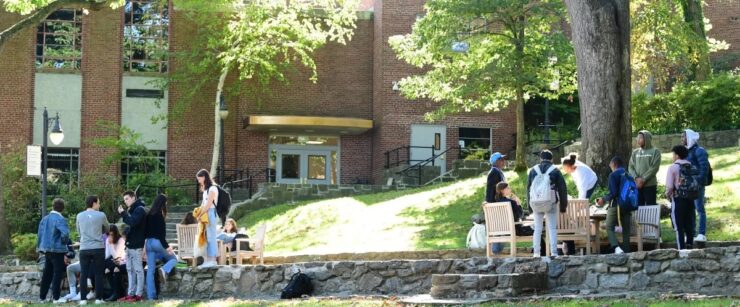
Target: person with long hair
[(156, 245), (504, 194), (229, 231), (115, 262), (208, 207), (583, 176)]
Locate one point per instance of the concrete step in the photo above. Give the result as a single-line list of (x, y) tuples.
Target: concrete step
[(476, 286), (180, 209)]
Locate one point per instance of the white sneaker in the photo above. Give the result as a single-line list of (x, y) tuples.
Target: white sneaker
[(700, 238), (70, 296), (207, 264), (98, 302), (91, 295), (162, 274), (61, 300), (83, 302), (76, 297), (618, 250)]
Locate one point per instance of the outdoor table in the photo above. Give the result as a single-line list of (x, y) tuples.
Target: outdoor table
[(597, 215)]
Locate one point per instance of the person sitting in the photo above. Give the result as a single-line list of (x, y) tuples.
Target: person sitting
[(504, 194), (230, 233), (189, 219), (115, 262)]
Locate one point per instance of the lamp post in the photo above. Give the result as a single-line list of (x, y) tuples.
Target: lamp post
[(56, 136), (223, 112), (554, 86)]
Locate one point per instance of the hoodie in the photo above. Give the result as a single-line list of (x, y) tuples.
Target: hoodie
[(135, 218), (698, 156), (644, 162), (556, 179)]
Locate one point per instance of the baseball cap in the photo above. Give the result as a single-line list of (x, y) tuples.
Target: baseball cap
[(495, 157)]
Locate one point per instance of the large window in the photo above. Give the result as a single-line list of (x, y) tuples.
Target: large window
[(131, 165), (145, 36), (59, 41), (475, 141), (63, 164)]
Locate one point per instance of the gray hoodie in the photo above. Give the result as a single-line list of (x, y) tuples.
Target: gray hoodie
[(645, 162)]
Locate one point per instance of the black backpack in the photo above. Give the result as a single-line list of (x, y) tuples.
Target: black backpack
[(298, 286), (224, 204), (688, 182)]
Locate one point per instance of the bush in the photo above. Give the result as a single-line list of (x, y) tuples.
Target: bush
[(701, 106), (20, 194), (24, 246)]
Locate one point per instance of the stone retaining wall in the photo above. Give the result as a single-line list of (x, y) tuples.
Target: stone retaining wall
[(713, 271), (710, 139)]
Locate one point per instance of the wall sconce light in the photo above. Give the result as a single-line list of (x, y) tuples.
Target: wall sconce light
[(396, 87)]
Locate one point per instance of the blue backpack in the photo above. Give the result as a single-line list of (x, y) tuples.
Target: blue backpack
[(628, 193)]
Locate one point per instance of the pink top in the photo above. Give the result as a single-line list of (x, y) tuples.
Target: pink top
[(672, 177), (117, 250)]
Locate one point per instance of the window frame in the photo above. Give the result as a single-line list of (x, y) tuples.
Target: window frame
[(43, 33), (161, 41)]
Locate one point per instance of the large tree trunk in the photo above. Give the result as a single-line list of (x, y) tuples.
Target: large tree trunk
[(601, 38), (217, 139), (521, 150), (4, 231), (692, 14)]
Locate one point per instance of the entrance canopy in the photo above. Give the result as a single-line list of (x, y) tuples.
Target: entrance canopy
[(307, 124)]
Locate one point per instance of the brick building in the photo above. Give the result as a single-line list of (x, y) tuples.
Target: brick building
[(342, 129)]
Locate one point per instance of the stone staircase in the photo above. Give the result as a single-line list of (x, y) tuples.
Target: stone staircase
[(174, 217)]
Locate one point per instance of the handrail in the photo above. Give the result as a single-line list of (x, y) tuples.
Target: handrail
[(397, 152), (425, 162)]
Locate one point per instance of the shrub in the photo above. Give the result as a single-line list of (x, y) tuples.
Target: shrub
[(702, 106), (24, 246), (20, 194)]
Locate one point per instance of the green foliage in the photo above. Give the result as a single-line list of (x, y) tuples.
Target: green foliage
[(515, 48), (24, 246), (702, 106), (24, 7), (22, 194)]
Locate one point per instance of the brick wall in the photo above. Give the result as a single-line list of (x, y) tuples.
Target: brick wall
[(724, 15), (16, 86)]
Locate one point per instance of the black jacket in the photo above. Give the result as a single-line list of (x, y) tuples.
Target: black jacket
[(135, 218), (156, 228), (494, 177), (556, 179)]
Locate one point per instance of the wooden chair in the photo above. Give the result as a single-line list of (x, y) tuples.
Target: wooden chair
[(185, 242), (258, 247), (500, 226), (575, 223), (647, 226)]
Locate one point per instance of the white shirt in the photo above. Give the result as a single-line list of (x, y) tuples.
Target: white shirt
[(205, 196), (585, 179)]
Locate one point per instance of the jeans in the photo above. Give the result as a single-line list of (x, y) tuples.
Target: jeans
[(682, 215), (496, 248), (699, 205), (612, 214), (72, 271), (52, 276), (114, 278), (154, 252), (647, 196), (135, 270), (591, 190), (92, 263), (552, 222), (211, 233)]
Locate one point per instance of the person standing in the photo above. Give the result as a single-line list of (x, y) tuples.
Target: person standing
[(208, 207), (156, 245), (52, 240), (135, 218), (495, 175), (91, 225), (682, 208), (583, 176), (644, 165), (699, 158), (557, 183), (614, 215)]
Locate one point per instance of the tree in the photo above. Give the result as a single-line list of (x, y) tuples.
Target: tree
[(601, 38), (259, 40), (515, 50)]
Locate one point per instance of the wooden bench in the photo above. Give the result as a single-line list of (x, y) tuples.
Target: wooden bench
[(185, 242), (500, 227), (647, 226)]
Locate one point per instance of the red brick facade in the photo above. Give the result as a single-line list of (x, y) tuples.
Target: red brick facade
[(353, 81)]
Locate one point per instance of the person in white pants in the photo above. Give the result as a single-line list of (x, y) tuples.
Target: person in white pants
[(558, 185)]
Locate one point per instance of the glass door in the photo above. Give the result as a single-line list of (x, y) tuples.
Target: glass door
[(303, 166)]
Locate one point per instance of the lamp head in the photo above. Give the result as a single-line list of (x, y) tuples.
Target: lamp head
[(56, 136), (223, 111)]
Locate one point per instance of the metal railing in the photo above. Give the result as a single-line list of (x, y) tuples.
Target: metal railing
[(402, 157), (419, 166)]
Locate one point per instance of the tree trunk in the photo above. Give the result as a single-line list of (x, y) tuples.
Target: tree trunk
[(217, 123), (4, 231), (601, 38), (693, 15), (521, 150)]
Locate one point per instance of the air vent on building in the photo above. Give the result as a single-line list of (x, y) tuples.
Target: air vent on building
[(142, 93)]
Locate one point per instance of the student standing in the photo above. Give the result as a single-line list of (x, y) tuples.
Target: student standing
[(208, 206), (682, 208), (53, 237), (495, 176), (699, 158), (91, 225), (557, 183), (157, 247), (614, 215), (135, 218), (644, 165)]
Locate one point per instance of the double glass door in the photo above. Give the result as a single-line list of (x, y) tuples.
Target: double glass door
[(304, 166)]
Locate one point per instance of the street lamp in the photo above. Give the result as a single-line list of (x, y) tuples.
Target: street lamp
[(223, 112), (56, 136), (554, 86)]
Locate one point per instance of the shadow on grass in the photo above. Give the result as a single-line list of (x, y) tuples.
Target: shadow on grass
[(376, 198)]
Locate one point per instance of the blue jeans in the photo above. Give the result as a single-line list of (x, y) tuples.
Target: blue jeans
[(211, 233), (591, 190), (154, 252), (699, 205)]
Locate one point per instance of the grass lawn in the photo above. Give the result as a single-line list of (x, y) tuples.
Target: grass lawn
[(438, 216)]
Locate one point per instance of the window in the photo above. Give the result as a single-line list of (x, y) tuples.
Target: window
[(145, 36), (475, 141), (63, 164), (133, 164), (59, 41)]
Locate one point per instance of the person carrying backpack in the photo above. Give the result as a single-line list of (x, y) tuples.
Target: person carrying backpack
[(680, 186), (208, 206), (699, 158), (546, 187), (615, 215)]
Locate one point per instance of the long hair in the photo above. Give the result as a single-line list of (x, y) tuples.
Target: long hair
[(571, 160), (159, 206), (206, 183), (233, 225), (116, 234), (500, 190)]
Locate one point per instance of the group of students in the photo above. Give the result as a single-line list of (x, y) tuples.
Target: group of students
[(644, 164), (104, 251)]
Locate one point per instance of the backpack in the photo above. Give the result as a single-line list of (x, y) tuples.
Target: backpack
[(223, 205), (688, 181), (541, 194), (477, 236), (298, 286), (627, 193)]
